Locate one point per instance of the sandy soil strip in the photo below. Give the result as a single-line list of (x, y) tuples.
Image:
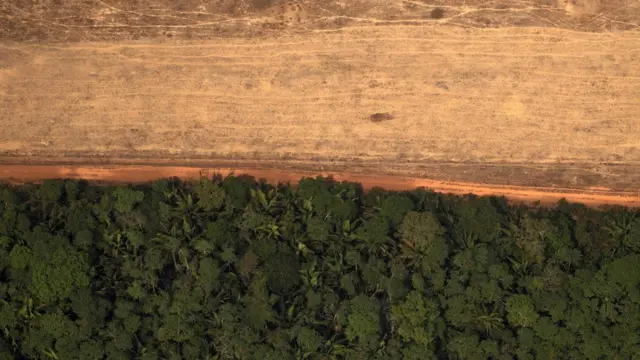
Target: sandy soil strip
[(140, 174)]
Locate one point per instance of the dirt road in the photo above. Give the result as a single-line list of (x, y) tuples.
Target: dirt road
[(595, 197), (514, 93)]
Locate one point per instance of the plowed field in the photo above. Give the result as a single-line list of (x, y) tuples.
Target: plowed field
[(540, 93)]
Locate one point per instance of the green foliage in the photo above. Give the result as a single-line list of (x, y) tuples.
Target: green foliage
[(126, 199), (415, 318), (477, 218), (211, 196), (423, 237), (283, 271), (318, 229), (237, 269), (520, 311), (395, 207), (20, 257), (363, 319), (71, 272), (308, 339), (50, 191)]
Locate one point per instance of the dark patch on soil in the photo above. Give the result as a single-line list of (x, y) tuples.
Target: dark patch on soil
[(262, 4), (379, 117), (437, 13), (442, 85)]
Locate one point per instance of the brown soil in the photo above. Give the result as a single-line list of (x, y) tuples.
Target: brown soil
[(142, 174), (117, 20), (531, 93)]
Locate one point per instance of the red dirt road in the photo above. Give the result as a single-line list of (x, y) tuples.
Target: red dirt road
[(140, 174)]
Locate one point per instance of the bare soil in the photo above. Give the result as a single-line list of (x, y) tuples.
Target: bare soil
[(110, 20), (536, 93)]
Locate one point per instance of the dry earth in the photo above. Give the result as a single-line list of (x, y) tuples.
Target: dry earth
[(538, 93)]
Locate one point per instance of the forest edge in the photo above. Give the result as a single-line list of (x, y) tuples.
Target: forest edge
[(118, 174)]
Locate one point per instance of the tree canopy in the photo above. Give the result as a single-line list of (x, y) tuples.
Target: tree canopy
[(235, 268)]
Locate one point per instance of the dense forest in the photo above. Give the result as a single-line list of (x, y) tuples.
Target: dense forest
[(234, 268)]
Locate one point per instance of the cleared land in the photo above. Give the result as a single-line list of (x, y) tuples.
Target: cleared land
[(535, 93)]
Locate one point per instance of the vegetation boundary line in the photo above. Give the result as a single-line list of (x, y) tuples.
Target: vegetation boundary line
[(118, 174)]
